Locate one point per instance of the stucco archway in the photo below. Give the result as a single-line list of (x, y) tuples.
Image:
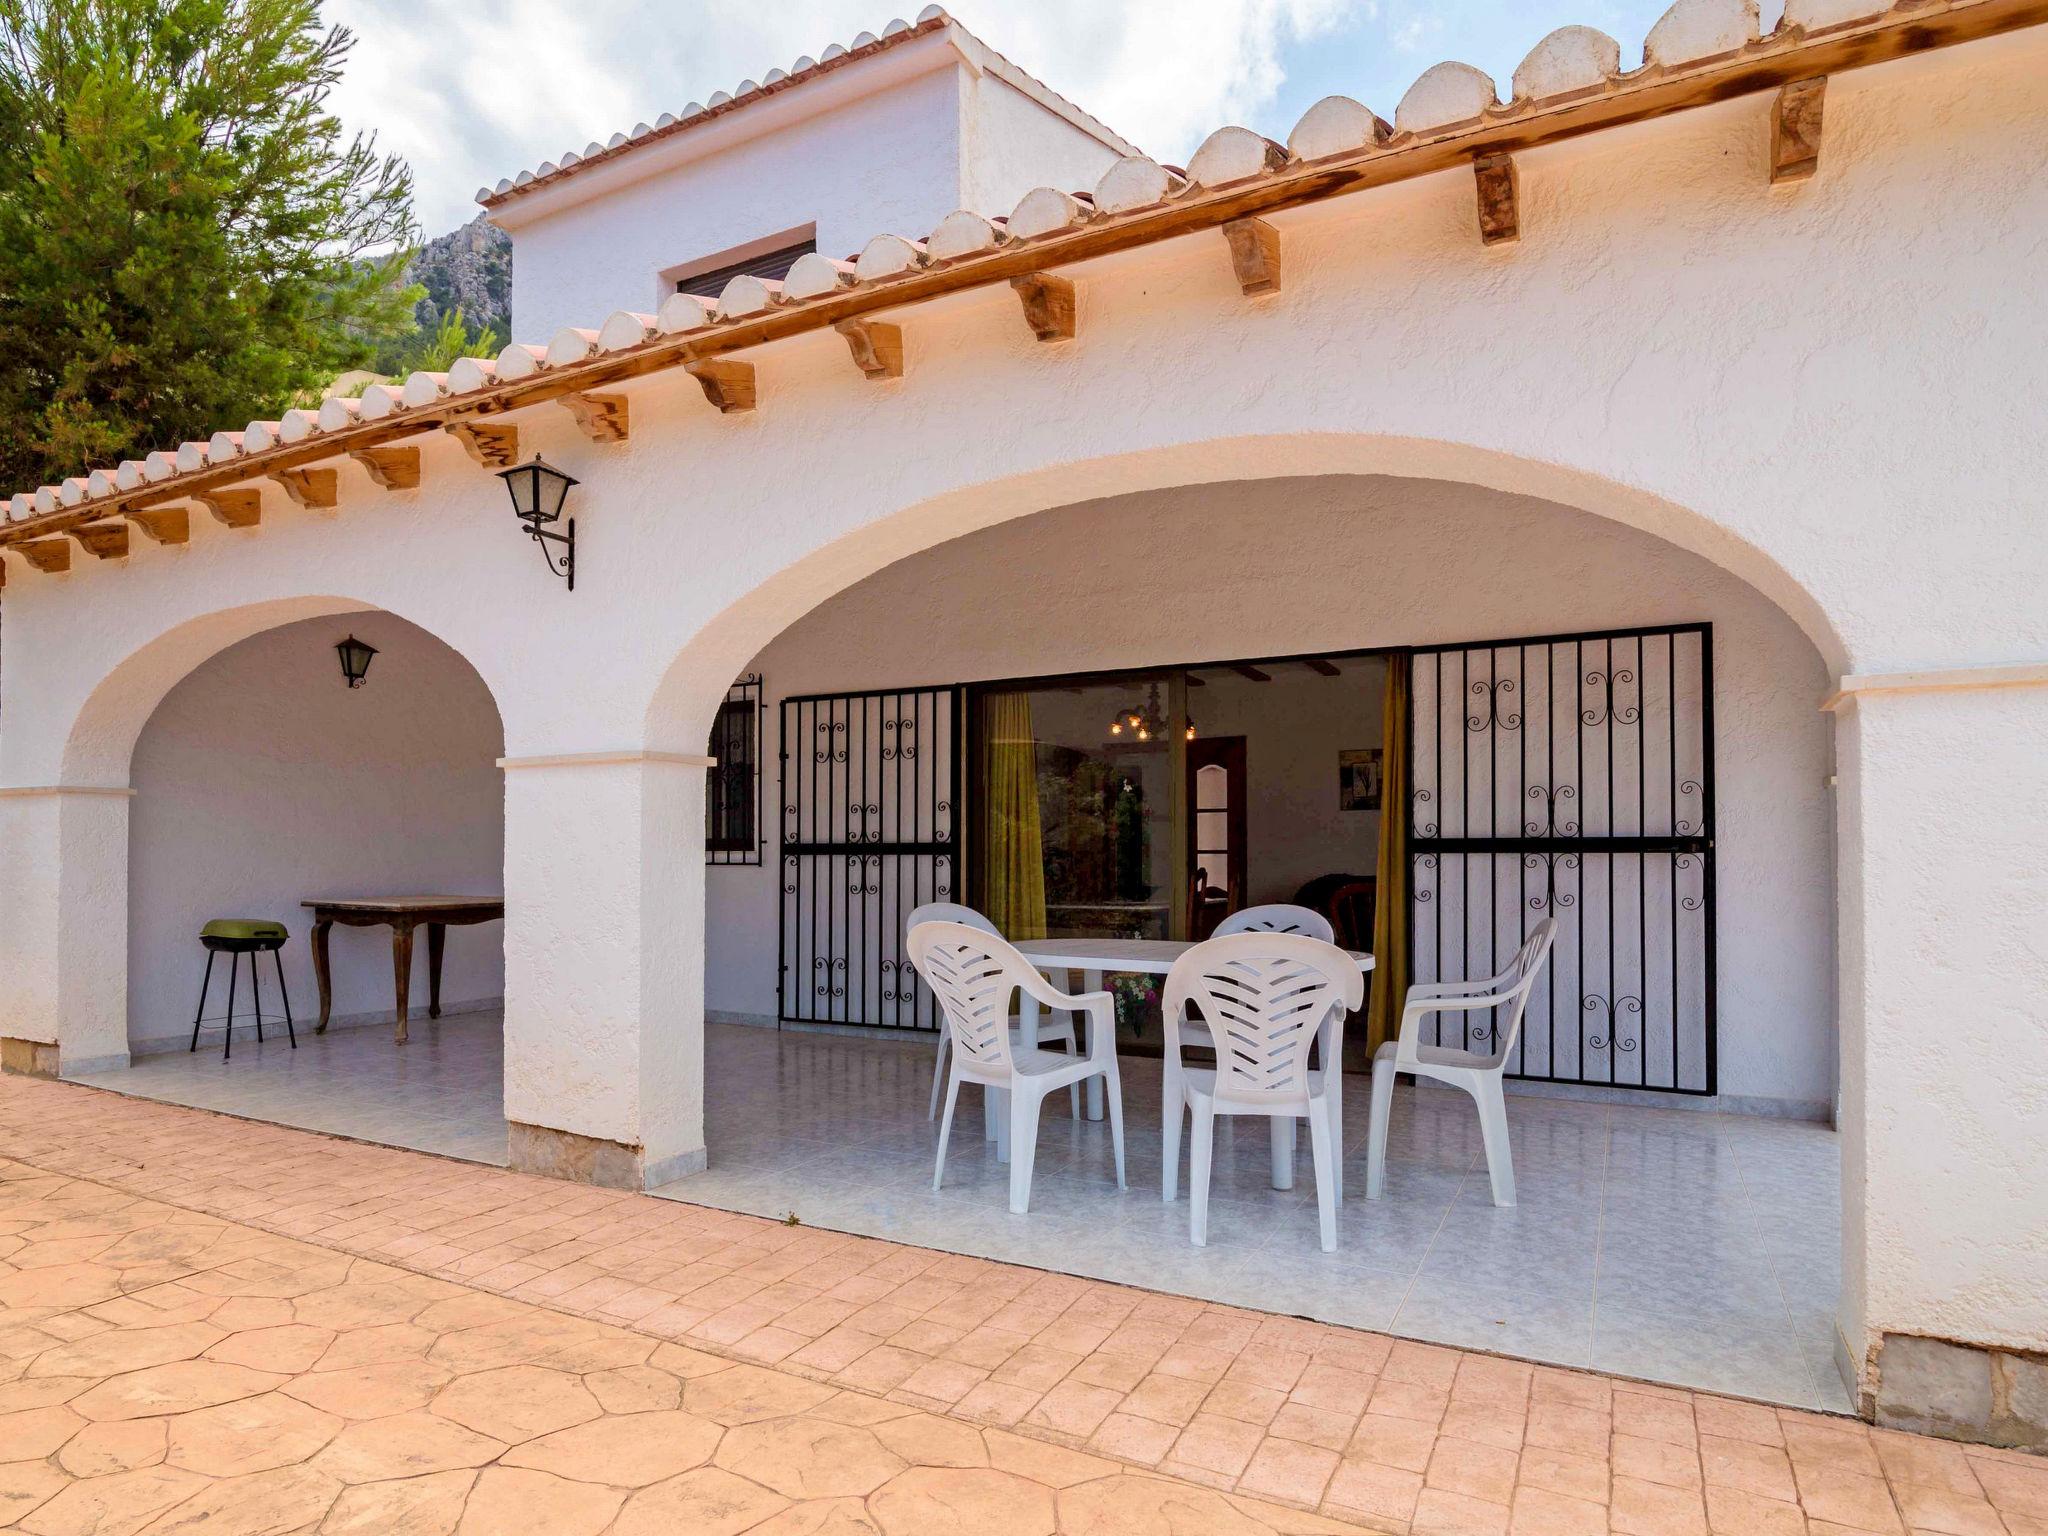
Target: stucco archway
[(680, 713), (78, 835)]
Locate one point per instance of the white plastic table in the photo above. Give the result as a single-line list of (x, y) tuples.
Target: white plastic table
[(1094, 958)]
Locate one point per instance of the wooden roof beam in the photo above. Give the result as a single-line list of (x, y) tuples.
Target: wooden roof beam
[(1048, 305), (392, 469), (49, 556), (163, 525), (493, 444), (1795, 129), (1500, 214), (241, 508), (106, 541), (1251, 673), (1254, 255), (602, 418), (1323, 666), (316, 489), (727, 383), (877, 347)]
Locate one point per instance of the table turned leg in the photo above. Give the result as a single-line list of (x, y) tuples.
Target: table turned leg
[(437, 940), (320, 972), (401, 973)]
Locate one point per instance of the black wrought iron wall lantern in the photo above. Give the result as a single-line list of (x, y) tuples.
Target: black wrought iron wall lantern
[(355, 659), (538, 491)]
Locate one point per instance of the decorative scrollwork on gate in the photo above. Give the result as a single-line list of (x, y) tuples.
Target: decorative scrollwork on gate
[(1423, 797), (899, 981), (1601, 1008), (899, 738), (1691, 903), (828, 752), (1493, 714), (1551, 896), (1606, 710), (1688, 789), (1550, 826)]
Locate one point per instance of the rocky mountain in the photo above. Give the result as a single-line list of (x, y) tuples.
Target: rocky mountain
[(469, 268)]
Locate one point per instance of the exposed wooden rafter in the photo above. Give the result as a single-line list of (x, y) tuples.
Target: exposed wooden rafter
[(395, 469), (1254, 255), (47, 555), (1322, 665), (1251, 673), (603, 418), (493, 444), (1795, 129), (1784, 58), (1500, 214), (234, 509), (877, 347), (107, 541), (318, 489), (163, 525), (1048, 305), (727, 384)]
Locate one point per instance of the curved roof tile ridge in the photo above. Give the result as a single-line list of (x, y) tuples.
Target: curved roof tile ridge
[(1563, 69), (806, 68)]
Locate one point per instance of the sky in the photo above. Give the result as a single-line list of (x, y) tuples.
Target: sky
[(469, 91)]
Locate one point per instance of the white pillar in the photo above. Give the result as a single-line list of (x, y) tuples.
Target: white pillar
[(604, 966), (64, 928), (1943, 819)]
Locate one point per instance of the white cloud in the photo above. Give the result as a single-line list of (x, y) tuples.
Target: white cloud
[(469, 92)]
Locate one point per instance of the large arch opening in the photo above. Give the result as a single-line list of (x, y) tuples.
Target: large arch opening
[(1266, 610), (263, 781)]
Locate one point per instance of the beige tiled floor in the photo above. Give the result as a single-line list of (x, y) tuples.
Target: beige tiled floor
[(1700, 1250), (1391, 1434)]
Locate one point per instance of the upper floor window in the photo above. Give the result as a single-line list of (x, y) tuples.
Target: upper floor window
[(773, 265)]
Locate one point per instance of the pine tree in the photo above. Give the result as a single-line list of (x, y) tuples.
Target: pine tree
[(187, 239)]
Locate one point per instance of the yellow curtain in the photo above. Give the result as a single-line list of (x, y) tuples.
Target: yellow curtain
[(1013, 860), (1391, 908)]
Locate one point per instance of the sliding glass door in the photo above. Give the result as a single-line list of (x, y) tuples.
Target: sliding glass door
[(1079, 805)]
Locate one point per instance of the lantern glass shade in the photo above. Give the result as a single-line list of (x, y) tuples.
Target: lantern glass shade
[(355, 659), (538, 490)]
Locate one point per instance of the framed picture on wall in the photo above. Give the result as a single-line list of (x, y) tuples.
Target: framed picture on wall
[(1359, 779)]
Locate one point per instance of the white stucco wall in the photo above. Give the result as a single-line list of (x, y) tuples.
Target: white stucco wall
[(1288, 567), (894, 143), (882, 162), (262, 781), (1829, 389), (1011, 143)]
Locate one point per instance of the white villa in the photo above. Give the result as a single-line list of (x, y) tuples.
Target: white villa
[(1613, 496)]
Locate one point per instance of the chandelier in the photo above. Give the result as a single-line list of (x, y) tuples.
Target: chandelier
[(1144, 721)]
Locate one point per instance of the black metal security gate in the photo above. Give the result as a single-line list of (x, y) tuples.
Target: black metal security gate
[(870, 783), (1572, 776)]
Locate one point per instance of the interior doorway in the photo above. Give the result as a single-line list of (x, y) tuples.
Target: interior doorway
[(1216, 795)]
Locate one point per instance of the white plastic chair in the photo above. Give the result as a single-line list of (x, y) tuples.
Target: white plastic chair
[(1276, 917), (1059, 1031), (973, 974), (1266, 997), (1477, 1073)]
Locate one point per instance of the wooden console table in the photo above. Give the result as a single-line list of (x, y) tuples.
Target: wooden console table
[(401, 914)]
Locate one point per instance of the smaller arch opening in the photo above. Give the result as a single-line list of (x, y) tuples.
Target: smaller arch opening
[(264, 781)]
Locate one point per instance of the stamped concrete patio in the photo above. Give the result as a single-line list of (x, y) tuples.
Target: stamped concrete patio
[(1699, 1250), (222, 1325)]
